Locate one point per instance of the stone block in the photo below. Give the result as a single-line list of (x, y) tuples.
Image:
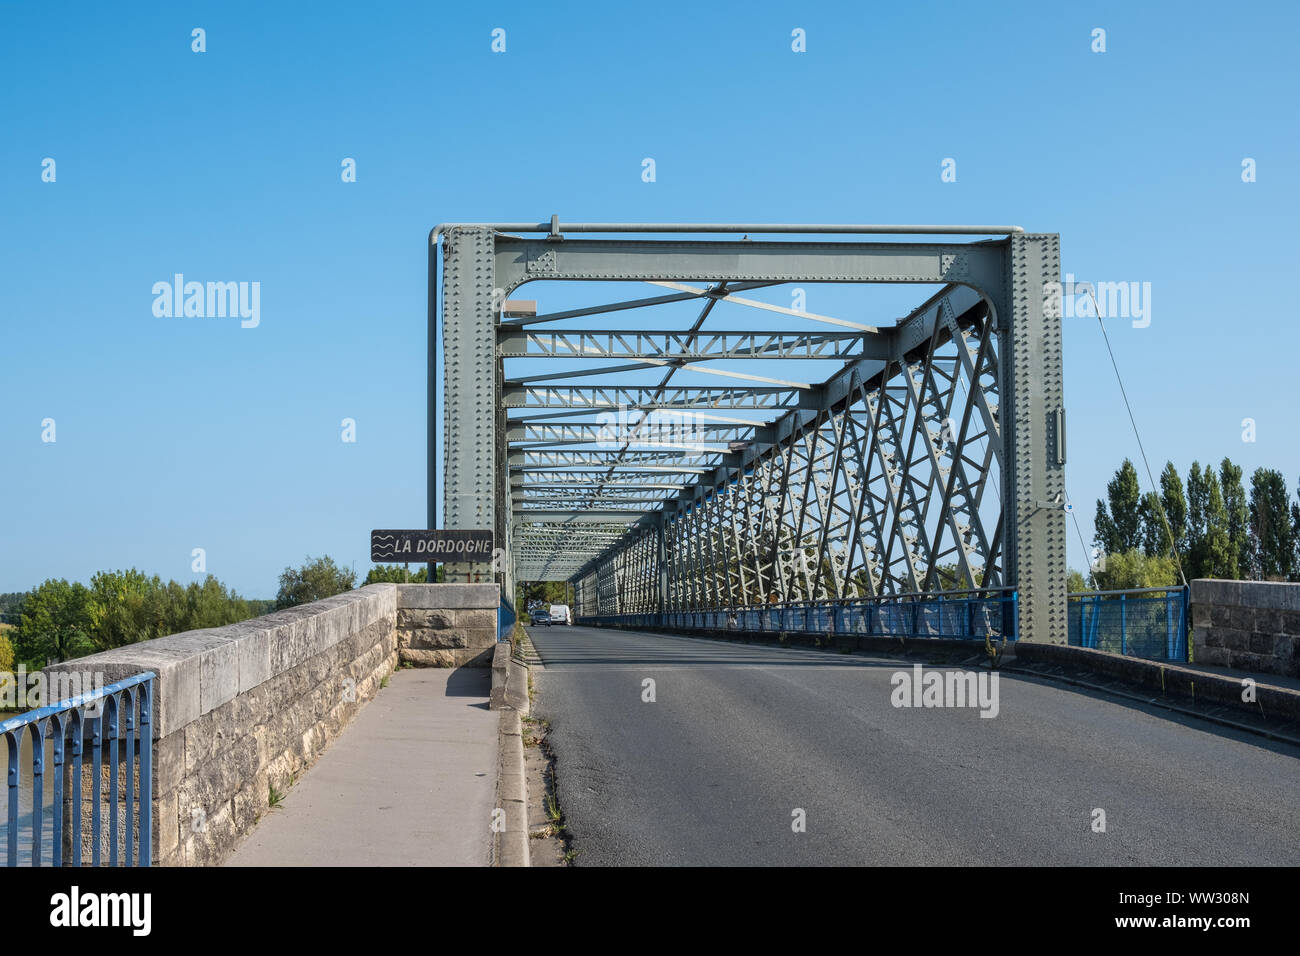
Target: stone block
[(481, 637), (1261, 643), (1241, 618), (448, 596), (166, 826), (1213, 656), (254, 658), (430, 658), (1233, 639), (436, 640), (425, 618), (477, 617), (169, 762), (1271, 594), (1214, 591), (1268, 620)]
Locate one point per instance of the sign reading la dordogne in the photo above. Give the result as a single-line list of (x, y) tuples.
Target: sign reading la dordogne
[(400, 547)]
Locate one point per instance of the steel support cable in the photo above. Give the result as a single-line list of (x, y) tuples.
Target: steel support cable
[(1173, 545)]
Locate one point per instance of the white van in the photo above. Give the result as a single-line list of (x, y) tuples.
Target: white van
[(560, 614)]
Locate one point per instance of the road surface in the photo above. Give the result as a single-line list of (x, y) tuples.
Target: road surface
[(740, 738)]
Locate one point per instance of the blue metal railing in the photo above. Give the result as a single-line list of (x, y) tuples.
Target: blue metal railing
[(1150, 623), (124, 721), (505, 621), (990, 612)]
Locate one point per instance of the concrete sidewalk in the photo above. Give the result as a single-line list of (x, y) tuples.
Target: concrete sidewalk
[(411, 782)]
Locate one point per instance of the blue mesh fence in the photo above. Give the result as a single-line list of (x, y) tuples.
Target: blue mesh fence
[(1150, 623), (956, 614)]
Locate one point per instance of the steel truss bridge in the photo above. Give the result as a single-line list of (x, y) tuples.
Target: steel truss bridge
[(659, 472)]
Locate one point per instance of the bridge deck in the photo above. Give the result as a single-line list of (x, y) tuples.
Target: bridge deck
[(740, 736)]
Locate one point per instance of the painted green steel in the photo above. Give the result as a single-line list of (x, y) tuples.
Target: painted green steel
[(979, 362)]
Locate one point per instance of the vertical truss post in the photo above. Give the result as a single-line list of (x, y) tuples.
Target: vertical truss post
[(474, 479), (1033, 395), (661, 567)]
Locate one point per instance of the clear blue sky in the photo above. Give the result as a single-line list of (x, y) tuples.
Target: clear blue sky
[(181, 433)]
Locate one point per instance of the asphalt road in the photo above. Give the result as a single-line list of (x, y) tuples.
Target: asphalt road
[(740, 736)]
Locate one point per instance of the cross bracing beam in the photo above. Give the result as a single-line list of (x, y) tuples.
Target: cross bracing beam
[(629, 304), (689, 346), (929, 457), (614, 396), (695, 429)]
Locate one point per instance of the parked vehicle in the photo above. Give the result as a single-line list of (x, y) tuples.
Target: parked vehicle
[(541, 616), (560, 614)]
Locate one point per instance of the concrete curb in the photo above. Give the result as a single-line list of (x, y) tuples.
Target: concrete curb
[(509, 681), (509, 696), (1275, 701), (510, 844)]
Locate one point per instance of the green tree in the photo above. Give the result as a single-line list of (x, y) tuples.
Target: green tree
[(1134, 569), (543, 592), (1174, 503), (1234, 502), (6, 654), (1155, 540), (210, 604), (125, 607), (1209, 547), (1212, 554), (1119, 527), (1075, 581), (1271, 528), (1295, 532), (396, 574), (318, 578), (54, 623)]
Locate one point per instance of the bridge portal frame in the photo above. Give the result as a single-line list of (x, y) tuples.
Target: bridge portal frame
[(1013, 274)]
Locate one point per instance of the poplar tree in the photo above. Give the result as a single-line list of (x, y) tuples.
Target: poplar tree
[(1272, 532), (1174, 503), (1210, 553), (1119, 528), (1234, 500), (1196, 495)]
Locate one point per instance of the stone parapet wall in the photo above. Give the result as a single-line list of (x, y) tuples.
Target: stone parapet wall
[(447, 625), (244, 708), (1247, 625)]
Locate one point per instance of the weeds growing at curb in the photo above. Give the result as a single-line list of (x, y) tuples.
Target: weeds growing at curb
[(994, 652), (274, 797)]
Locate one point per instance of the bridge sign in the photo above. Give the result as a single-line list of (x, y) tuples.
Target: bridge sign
[(448, 547)]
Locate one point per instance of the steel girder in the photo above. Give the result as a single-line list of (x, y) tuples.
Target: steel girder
[(929, 459)]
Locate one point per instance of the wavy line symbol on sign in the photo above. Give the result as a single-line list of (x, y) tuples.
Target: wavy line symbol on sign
[(377, 551)]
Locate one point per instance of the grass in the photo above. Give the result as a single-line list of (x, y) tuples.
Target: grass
[(384, 682), (553, 809), (274, 797), (570, 856)]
